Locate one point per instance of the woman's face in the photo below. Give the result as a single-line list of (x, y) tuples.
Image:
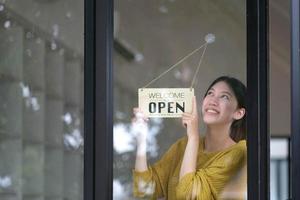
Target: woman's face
[(220, 105)]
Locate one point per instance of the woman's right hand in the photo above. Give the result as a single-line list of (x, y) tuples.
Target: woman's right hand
[(140, 130), (140, 126)]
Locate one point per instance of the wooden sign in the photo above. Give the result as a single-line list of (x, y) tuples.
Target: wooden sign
[(165, 102)]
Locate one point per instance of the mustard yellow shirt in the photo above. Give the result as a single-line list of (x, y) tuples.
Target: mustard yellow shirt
[(214, 170)]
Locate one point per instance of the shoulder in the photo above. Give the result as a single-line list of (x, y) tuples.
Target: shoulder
[(240, 147), (237, 150), (238, 153)]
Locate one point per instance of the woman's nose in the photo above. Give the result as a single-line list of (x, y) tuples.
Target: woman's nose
[(213, 101)]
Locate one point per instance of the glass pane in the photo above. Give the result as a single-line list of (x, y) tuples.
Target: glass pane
[(279, 168), (41, 103), (149, 38), (280, 97)]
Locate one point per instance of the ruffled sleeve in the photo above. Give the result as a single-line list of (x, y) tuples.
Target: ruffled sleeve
[(153, 183)]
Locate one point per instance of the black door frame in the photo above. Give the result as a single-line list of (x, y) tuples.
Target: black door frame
[(258, 137), (295, 100), (98, 100)]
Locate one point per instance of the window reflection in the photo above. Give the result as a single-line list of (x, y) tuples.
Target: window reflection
[(41, 103)]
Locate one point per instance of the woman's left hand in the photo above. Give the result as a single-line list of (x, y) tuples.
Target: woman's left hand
[(191, 121)]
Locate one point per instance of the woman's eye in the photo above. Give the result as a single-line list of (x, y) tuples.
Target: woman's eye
[(225, 97), (209, 93)]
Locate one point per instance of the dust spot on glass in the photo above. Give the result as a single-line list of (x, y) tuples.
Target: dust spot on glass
[(29, 52), (177, 74), (163, 9), (68, 14), (55, 30), (210, 38), (53, 46), (37, 14), (67, 118), (138, 57), (5, 182), (7, 24), (1, 8), (29, 35), (34, 104), (38, 40)]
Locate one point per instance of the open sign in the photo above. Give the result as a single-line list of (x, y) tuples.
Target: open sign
[(165, 102)]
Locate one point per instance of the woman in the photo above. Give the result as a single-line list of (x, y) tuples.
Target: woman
[(196, 167)]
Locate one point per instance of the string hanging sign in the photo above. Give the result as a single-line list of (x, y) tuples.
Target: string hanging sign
[(171, 102)]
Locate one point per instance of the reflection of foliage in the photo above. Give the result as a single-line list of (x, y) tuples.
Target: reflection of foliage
[(125, 137), (73, 139), (124, 153), (30, 100), (162, 133)]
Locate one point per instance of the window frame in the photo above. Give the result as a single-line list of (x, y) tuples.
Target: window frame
[(258, 134), (295, 100), (98, 100)]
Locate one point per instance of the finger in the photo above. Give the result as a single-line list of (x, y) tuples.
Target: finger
[(187, 115), (187, 118), (194, 110)]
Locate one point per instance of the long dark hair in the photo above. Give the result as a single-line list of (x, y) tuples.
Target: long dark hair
[(238, 129)]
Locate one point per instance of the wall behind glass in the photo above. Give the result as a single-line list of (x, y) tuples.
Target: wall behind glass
[(151, 36), (41, 102), (280, 98)]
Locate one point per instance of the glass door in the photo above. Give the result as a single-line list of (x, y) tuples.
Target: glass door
[(148, 40)]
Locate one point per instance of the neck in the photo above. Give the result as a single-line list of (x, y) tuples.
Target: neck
[(218, 138)]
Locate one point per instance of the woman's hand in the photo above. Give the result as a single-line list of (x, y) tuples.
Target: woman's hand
[(140, 128), (191, 121)]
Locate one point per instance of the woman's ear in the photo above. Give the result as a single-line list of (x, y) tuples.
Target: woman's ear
[(239, 113)]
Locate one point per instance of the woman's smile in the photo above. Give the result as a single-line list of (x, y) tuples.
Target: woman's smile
[(212, 111)]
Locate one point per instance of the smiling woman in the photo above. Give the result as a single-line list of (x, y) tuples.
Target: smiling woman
[(199, 167)]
